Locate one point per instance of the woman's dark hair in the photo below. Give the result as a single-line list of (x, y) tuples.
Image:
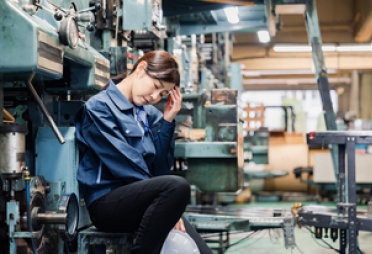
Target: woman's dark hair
[(160, 65)]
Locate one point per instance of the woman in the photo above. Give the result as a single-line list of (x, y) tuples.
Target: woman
[(126, 151)]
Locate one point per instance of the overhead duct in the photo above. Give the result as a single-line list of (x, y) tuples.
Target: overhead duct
[(363, 30)]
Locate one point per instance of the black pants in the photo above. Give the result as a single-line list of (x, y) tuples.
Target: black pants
[(149, 207)]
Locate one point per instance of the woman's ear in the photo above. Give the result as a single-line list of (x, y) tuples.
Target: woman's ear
[(140, 70), (142, 66)]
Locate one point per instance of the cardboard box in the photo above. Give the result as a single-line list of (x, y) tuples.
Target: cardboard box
[(286, 157)]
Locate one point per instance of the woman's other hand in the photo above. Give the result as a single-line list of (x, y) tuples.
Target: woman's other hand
[(180, 226), (173, 105)]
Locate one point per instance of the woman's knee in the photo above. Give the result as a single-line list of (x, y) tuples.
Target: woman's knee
[(178, 185), (182, 183)]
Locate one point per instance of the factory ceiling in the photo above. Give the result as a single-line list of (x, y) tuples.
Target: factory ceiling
[(342, 23)]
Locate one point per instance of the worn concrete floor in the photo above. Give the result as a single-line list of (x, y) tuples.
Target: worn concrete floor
[(271, 241)]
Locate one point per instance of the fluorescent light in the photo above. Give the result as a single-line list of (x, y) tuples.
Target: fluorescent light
[(263, 36), (288, 48), (329, 48), (354, 48), (177, 51), (232, 14), (301, 48), (292, 49)]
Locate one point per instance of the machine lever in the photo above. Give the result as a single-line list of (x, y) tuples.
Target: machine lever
[(96, 7), (44, 110)]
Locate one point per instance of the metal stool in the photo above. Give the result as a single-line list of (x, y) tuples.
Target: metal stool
[(100, 240), (220, 228)]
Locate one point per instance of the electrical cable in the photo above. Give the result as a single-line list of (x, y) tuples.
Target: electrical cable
[(243, 239), (276, 236), (240, 240), (361, 252), (329, 246), (299, 249), (325, 247), (206, 235), (258, 239)]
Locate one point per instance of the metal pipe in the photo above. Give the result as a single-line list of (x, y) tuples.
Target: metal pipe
[(44, 110), (52, 218)]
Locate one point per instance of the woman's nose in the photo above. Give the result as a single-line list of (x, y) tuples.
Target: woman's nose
[(155, 95)]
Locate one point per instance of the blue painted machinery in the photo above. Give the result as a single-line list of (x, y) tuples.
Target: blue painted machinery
[(54, 55), (45, 60)]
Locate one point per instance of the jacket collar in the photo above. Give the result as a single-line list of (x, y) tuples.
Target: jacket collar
[(117, 97)]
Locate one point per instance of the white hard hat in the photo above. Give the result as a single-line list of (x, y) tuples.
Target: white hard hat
[(178, 242)]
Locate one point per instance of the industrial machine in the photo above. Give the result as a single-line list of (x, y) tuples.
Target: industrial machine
[(55, 54), (344, 221)]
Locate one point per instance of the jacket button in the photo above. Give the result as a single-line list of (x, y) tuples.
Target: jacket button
[(127, 131)]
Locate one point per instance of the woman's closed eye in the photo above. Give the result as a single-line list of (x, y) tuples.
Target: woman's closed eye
[(164, 93)]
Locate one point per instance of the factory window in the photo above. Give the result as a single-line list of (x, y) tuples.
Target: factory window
[(306, 105)]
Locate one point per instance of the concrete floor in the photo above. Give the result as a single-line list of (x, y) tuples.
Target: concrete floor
[(271, 241)]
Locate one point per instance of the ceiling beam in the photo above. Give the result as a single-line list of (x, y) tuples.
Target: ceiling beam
[(363, 29), (292, 84), (294, 81), (267, 87), (338, 62), (328, 27)]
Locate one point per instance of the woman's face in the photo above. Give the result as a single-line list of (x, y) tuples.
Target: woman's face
[(147, 90)]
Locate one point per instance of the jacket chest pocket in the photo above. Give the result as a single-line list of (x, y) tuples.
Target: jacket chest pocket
[(133, 135)]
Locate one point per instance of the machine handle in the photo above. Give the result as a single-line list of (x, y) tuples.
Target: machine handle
[(44, 110)]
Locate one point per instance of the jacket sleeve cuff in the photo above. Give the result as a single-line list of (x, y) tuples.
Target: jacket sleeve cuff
[(167, 127)]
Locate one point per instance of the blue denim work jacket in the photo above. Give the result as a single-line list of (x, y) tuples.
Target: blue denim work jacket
[(114, 151)]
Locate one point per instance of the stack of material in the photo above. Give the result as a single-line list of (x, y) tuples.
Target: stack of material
[(190, 134), (286, 152)]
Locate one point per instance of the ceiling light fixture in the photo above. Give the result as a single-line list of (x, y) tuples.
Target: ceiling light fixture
[(295, 48), (284, 48), (354, 48), (263, 36), (232, 14)]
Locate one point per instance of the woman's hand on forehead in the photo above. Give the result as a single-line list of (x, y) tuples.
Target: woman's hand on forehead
[(173, 105)]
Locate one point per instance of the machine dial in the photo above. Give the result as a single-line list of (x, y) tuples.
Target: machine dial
[(69, 32)]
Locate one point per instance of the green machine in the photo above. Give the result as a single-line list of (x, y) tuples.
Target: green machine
[(213, 164)]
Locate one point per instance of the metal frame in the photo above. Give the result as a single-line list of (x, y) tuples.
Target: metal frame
[(345, 217), (341, 144), (229, 219), (315, 40)]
